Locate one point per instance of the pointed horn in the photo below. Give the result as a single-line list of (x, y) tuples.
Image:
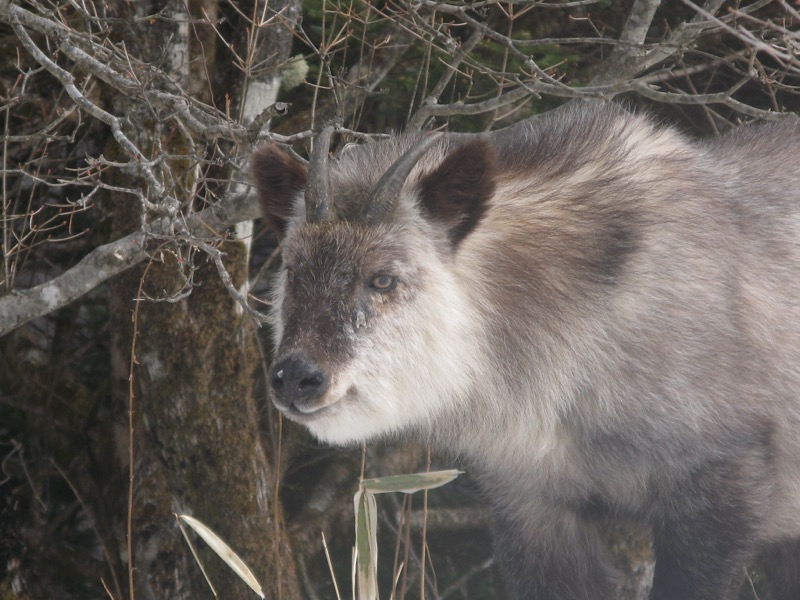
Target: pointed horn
[(383, 199), (317, 188)]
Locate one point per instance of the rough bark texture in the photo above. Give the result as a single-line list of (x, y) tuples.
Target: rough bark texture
[(197, 360), (198, 446)]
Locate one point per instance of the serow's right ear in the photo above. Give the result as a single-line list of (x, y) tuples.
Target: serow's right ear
[(278, 179)]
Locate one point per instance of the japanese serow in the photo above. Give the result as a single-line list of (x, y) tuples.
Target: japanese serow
[(601, 316)]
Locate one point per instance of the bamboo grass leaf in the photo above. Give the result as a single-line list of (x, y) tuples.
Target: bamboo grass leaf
[(366, 545), (225, 553), (408, 484)]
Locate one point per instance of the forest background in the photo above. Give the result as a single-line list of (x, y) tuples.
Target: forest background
[(135, 272)]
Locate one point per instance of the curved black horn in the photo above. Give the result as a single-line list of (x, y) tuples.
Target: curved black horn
[(317, 189), (383, 199)]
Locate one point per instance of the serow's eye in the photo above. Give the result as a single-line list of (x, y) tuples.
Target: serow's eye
[(383, 283)]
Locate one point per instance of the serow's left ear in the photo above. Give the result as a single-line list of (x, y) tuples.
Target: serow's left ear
[(457, 193)]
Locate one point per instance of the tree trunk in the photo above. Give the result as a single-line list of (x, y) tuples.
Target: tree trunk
[(198, 448)]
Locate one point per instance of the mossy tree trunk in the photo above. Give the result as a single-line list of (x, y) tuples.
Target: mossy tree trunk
[(198, 447), (196, 361)]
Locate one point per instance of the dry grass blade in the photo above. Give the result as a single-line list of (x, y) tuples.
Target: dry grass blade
[(330, 567), (225, 553), (193, 550)]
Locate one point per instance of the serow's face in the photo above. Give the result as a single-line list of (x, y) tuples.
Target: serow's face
[(355, 311), (373, 333)]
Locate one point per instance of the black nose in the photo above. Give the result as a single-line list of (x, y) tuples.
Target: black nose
[(298, 383)]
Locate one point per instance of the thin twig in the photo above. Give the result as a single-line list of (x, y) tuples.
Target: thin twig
[(20, 306), (68, 82)]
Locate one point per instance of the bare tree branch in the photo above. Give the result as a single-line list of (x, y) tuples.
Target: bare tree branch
[(20, 306), (462, 108), (201, 120), (68, 82)]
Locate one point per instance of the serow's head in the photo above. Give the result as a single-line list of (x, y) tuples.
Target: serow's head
[(374, 330)]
